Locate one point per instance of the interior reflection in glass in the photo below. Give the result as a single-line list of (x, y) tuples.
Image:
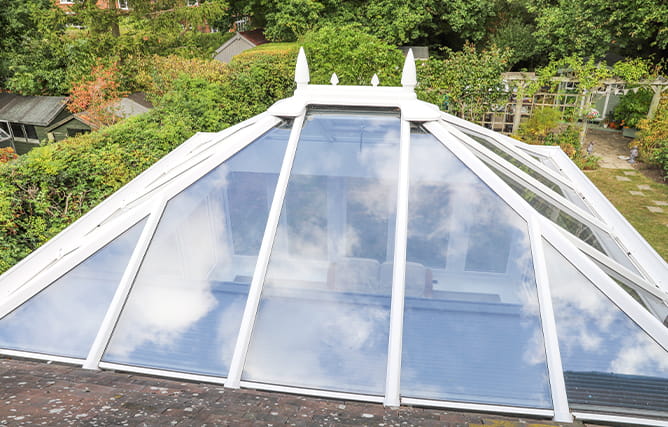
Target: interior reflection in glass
[(472, 328), (64, 318), (323, 318), (609, 361), (185, 307)]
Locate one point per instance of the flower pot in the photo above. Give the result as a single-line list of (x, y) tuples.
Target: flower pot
[(629, 132)]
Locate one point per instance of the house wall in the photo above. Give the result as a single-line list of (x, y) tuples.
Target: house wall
[(235, 47)]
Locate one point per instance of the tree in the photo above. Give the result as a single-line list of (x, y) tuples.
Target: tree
[(96, 95), (467, 83), (352, 54), (596, 27)]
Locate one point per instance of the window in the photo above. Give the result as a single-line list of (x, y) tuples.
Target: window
[(192, 2), (123, 4), (75, 132)]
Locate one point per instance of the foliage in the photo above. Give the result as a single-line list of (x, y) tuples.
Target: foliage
[(542, 124), (467, 83), (7, 154), (594, 27), (653, 139), (96, 95), (352, 54), (45, 190), (292, 19), (544, 128), (517, 36), (632, 107), (632, 70)]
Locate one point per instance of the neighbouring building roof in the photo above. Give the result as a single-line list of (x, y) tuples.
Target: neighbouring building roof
[(240, 42), (31, 110), (353, 242)]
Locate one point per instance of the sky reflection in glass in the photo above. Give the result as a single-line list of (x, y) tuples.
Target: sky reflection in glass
[(64, 318), (472, 329), (185, 307), (323, 318), (608, 359)]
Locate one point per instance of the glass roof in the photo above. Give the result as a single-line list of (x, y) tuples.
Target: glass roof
[(360, 252)]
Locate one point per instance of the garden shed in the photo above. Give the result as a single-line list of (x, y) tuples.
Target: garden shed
[(26, 118), (240, 42), (354, 242)]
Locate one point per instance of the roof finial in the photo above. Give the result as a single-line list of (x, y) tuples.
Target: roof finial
[(409, 75), (334, 80), (374, 80), (301, 70)]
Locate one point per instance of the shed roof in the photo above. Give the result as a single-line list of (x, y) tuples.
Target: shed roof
[(31, 110)]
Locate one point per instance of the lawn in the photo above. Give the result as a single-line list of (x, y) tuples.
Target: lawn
[(652, 225)]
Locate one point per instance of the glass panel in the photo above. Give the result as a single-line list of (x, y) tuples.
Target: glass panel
[(323, 318), (185, 307), (514, 161), (64, 318), (472, 329), (609, 362), (591, 235), (30, 131), (17, 130)]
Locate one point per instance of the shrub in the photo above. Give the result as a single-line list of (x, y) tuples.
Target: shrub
[(633, 107), (353, 55), (653, 139)]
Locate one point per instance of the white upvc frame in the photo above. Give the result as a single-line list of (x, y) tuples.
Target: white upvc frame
[(507, 144), (174, 187), (619, 419), (649, 262), (644, 319), (312, 392), (122, 291), (478, 407), (120, 201), (162, 373), (255, 290), (531, 217), (532, 183), (41, 356), (395, 338), (549, 326), (68, 258)]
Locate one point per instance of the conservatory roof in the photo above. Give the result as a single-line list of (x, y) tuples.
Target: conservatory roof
[(355, 242)]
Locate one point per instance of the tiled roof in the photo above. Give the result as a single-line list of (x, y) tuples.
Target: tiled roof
[(54, 394), (256, 36)]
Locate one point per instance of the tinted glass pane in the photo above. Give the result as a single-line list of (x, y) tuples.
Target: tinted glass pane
[(609, 362), (323, 318), (63, 319), (17, 130), (30, 131), (593, 236), (471, 329), (184, 310)]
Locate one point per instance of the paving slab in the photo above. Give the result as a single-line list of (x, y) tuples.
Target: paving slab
[(644, 187), (630, 173), (654, 209), (623, 178), (660, 203), (636, 193)]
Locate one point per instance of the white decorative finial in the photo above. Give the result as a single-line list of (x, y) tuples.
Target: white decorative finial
[(334, 80), (409, 75), (374, 80), (301, 70)]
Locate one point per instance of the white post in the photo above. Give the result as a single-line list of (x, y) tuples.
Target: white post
[(392, 380)]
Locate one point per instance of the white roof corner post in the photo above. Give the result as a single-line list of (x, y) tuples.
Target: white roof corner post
[(409, 74), (302, 76), (375, 80), (334, 80)]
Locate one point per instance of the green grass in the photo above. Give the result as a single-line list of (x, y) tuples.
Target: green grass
[(652, 226)]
